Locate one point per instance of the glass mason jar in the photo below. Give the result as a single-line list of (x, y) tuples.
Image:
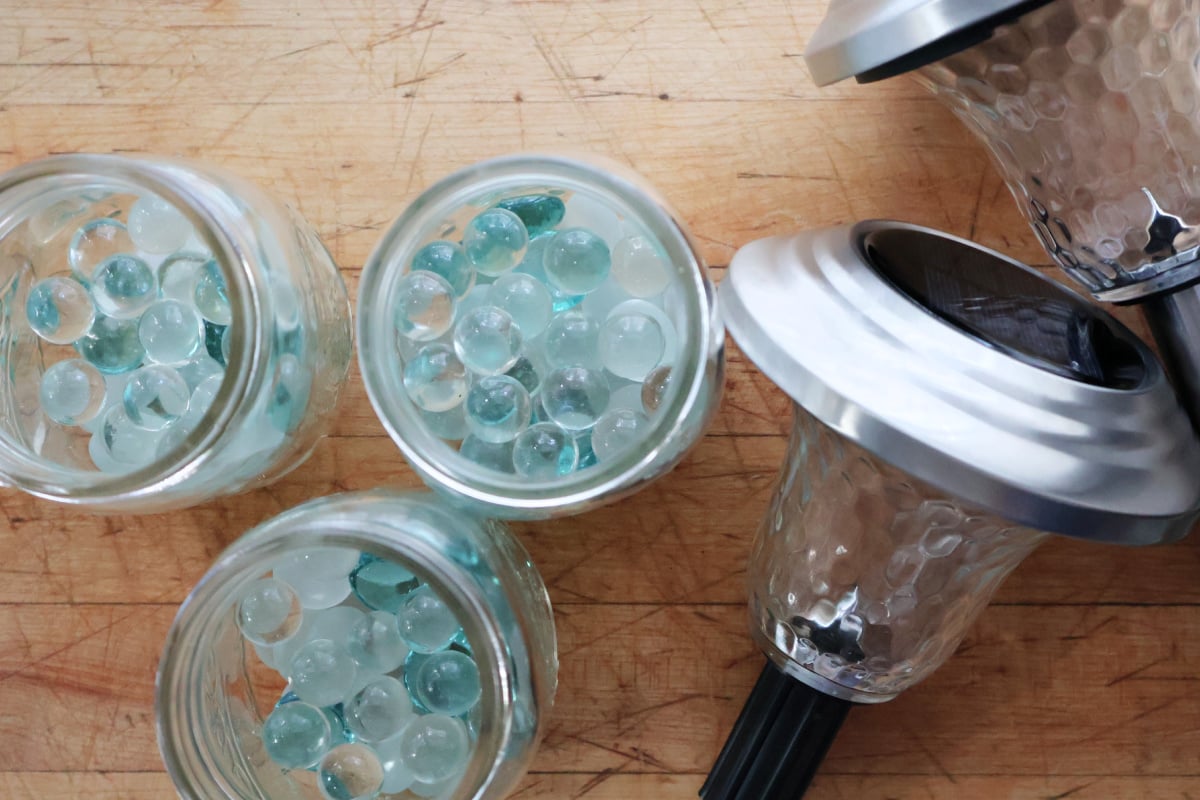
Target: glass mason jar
[(171, 333), (214, 689), (620, 369)]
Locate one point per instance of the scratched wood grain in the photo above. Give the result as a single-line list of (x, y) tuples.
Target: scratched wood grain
[(1078, 682)]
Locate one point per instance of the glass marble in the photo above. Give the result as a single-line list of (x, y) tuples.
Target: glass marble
[(451, 425), (426, 623), (213, 337), (379, 710), (396, 776), (435, 378), (424, 306), (59, 310), (268, 612), (617, 431), (49, 222), (179, 273), (448, 260), (575, 397), (639, 267), (572, 339), (497, 456), (495, 241), (155, 397), (322, 673), (487, 340), (320, 576), (170, 332), (538, 212), (211, 296), (382, 585), (112, 345), (534, 265), (96, 242), (631, 345), (123, 442), (199, 369), (435, 747), (296, 735), (525, 299), (498, 408), (654, 389), (656, 313), (577, 261), (123, 286), (71, 392), (447, 683), (584, 211), (156, 226), (544, 451), (527, 374), (476, 298), (375, 644), (350, 772)]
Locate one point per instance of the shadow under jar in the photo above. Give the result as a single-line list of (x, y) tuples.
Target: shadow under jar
[(539, 336), (169, 333), (370, 645)]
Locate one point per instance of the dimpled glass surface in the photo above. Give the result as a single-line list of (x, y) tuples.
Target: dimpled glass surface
[(1092, 112), (865, 576)]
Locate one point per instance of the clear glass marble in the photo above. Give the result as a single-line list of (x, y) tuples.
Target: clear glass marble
[(72, 392), (172, 266), (538, 307), (424, 306), (617, 431), (544, 451), (224, 736), (268, 612), (435, 378), (322, 672), (498, 408)]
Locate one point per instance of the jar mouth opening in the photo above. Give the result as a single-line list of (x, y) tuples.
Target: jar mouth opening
[(206, 763), (690, 299), (39, 186)]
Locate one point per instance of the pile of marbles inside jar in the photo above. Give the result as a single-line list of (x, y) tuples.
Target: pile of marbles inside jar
[(382, 689), (135, 326), (540, 340)]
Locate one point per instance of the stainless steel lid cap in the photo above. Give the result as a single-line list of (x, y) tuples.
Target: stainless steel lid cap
[(973, 373), (875, 39)]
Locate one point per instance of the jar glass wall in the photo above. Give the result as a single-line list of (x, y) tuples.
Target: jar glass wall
[(215, 690), (170, 333), (594, 329)]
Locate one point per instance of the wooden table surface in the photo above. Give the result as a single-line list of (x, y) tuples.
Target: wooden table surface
[(1079, 681)]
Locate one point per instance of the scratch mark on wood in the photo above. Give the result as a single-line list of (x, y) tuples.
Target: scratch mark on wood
[(300, 50)]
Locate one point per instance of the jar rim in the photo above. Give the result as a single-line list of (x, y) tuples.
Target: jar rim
[(443, 468), (216, 223), (325, 522)]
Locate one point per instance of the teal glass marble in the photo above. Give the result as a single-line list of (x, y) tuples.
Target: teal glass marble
[(319, 576), (123, 286), (211, 296), (448, 260), (426, 623), (350, 772), (112, 345), (59, 310), (156, 226), (577, 261), (435, 747), (447, 683), (425, 306), (496, 456), (179, 273), (155, 396), (95, 242), (498, 408), (322, 672), (544, 451), (495, 241), (525, 299), (296, 735), (379, 710), (71, 392), (381, 584), (435, 378), (214, 336), (654, 389), (375, 644), (572, 340), (617, 431), (538, 212), (487, 340), (631, 345), (575, 397), (268, 612), (170, 331)]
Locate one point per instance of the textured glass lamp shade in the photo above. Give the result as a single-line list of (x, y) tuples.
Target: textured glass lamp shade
[(1091, 112)]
